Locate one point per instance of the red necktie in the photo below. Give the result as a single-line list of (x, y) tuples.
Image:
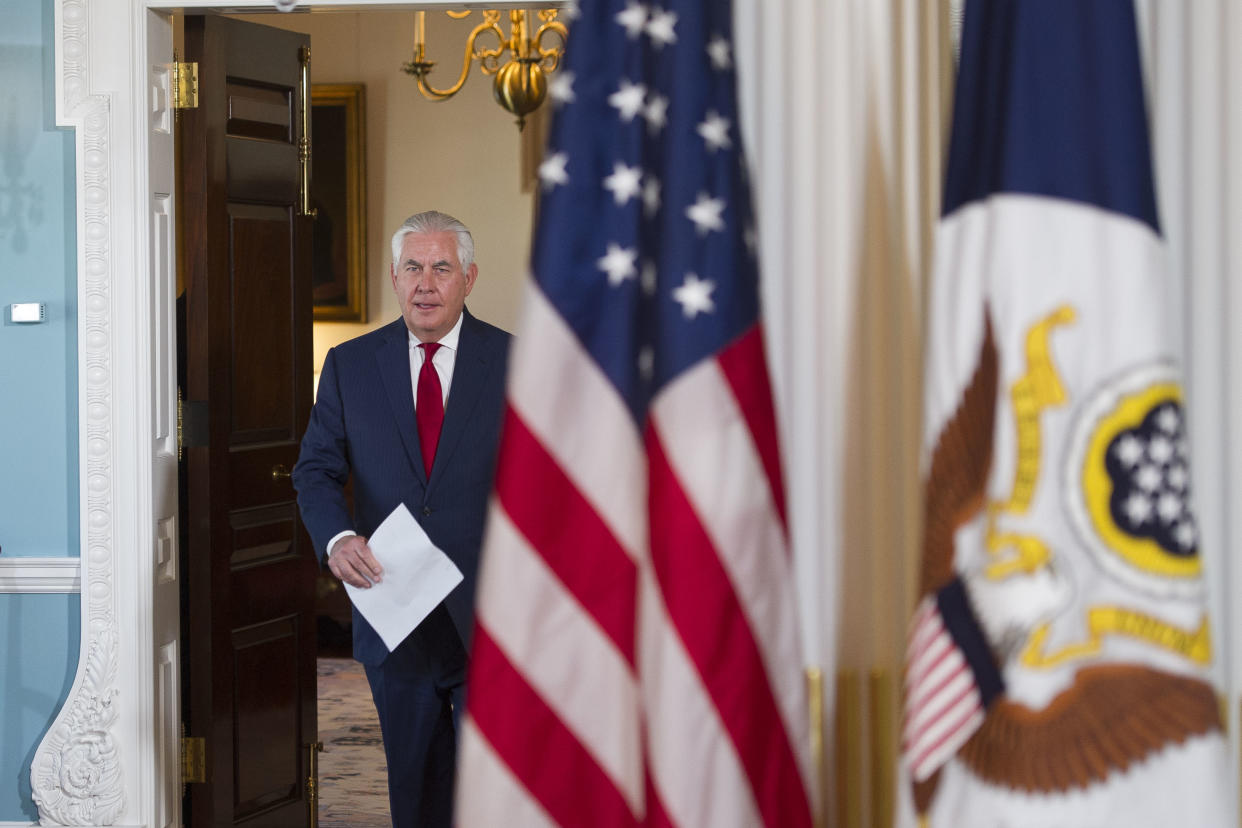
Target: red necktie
[(430, 406)]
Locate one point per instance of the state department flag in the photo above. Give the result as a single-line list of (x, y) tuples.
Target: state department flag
[(636, 658), (1058, 665)]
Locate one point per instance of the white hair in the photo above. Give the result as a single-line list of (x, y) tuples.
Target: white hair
[(433, 221)]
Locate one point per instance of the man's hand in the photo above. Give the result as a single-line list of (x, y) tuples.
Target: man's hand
[(351, 561)]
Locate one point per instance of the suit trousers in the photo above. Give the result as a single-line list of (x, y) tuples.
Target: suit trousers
[(419, 693)]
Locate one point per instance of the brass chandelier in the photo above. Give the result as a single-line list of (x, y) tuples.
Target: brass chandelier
[(521, 82)]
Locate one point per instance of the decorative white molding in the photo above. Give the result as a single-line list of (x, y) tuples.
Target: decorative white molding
[(63, 575), (77, 772), (76, 775)]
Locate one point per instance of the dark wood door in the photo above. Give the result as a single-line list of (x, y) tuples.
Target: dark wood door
[(249, 623)]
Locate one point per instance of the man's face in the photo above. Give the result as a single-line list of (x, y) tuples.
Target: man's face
[(430, 284)]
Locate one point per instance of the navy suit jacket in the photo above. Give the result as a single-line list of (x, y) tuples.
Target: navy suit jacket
[(363, 424)]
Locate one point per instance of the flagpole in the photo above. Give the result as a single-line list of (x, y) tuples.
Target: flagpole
[(815, 706), (883, 748), (849, 750)]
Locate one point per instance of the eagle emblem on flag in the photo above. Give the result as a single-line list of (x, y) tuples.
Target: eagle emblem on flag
[(1129, 443), (1058, 666)]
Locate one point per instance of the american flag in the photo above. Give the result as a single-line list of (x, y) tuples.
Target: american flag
[(636, 657), (950, 680)]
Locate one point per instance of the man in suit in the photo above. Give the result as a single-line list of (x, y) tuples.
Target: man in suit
[(412, 411)]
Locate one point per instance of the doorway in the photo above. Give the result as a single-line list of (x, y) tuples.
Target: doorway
[(459, 157)]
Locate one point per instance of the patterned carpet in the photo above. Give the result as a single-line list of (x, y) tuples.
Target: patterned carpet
[(353, 777)]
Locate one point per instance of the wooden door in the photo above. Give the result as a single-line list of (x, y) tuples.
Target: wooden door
[(249, 624)]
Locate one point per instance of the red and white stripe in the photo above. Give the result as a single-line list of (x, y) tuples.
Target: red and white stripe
[(943, 707), (636, 658)]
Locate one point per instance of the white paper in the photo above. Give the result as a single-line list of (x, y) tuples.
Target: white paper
[(417, 576)]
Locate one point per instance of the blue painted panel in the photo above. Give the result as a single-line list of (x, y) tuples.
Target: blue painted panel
[(38, 263), (38, 658)]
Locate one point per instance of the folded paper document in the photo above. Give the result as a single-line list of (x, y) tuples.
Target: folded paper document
[(417, 576)]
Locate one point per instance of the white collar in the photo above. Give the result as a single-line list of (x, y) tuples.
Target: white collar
[(449, 340)]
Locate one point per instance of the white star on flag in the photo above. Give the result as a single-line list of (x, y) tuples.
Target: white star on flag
[(1168, 506), (552, 170), (656, 113), (1185, 535), (1138, 508), (628, 100), (715, 131), (1129, 450), (648, 278), (695, 296), (1148, 478), (571, 10), (646, 362), (651, 196), (1160, 449), (660, 28), (751, 237), (624, 183), (1168, 420), (561, 87), (618, 263), (633, 17), (718, 52), (705, 213)]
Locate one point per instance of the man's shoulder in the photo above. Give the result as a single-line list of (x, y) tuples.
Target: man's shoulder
[(493, 336), (366, 343)]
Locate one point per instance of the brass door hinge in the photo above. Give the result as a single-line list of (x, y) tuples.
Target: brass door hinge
[(193, 760), (312, 783), (185, 85)]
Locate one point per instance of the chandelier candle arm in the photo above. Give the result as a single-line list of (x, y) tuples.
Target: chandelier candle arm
[(520, 85), (420, 67), (550, 57)]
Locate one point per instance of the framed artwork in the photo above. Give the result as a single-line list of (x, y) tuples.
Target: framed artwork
[(339, 195)]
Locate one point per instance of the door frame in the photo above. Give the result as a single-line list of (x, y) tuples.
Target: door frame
[(111, 756)]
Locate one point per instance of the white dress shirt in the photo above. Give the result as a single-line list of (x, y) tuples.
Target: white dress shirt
[(444, 361)]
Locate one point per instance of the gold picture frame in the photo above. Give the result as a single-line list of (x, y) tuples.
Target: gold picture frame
[(339, 195)]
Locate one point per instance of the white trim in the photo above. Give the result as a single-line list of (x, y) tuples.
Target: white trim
[(19, 825), (94, 94), (40, 575)]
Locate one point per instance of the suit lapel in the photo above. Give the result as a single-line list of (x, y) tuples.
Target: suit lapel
[(469, 378), (394, 367)]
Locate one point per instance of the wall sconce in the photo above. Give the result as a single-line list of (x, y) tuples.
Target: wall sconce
[(521, 83)]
